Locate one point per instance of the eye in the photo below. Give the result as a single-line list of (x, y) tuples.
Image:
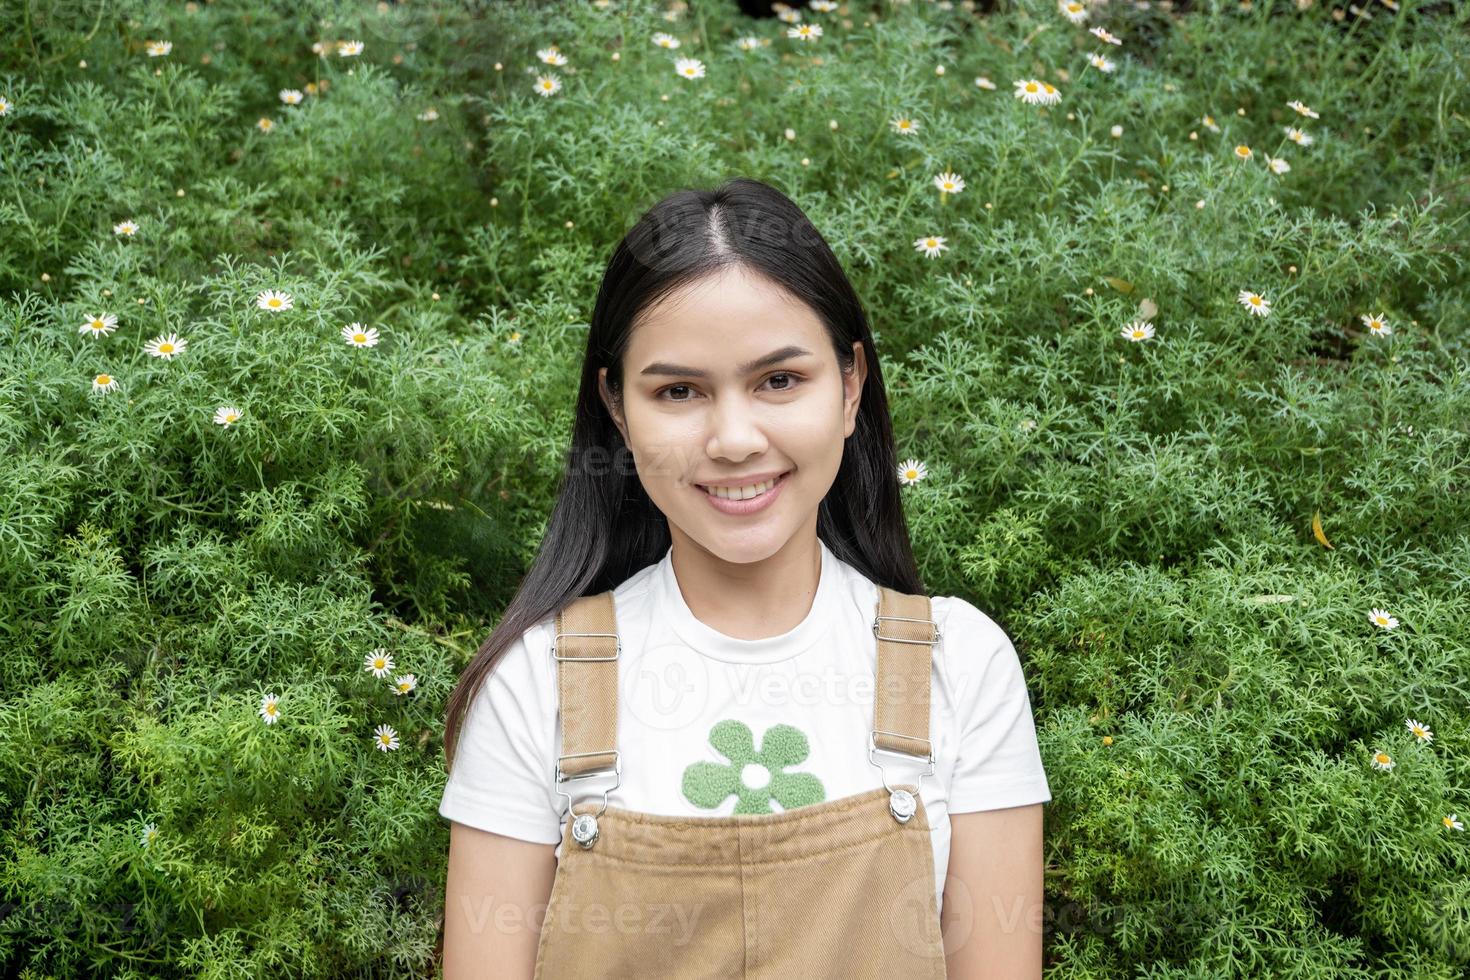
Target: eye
[(791, 379)]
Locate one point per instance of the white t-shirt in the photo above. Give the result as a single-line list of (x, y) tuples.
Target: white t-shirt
[(679, 678)]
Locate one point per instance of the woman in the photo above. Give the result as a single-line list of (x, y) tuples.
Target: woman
[(771, 753)]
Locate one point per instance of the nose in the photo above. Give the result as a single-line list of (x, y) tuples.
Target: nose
[(735, 430)]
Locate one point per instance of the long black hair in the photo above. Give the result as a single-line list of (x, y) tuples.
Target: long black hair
[(604, 527)]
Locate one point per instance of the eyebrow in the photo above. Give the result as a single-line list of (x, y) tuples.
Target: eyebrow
[(774, 357)]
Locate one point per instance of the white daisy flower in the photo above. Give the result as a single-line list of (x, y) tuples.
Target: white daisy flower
[(749, 43), (157, 49), (1103, 35), (265, 125), (5, 105), (689, 68), (949, 183), (1277, 164), (805, 32), (1297, 136), (666, 40), (405, 684), (823, 6), (514, 340), (1381, 618), (379, 661), (291, 96), (1116, 132), (166, 347), (150, 831), (985, 83), (552, 56), (385, 738), (349, 49), (1452, 821), (1422, 733), (227, 415), (1033, 91), (129, 228), (1304, 110), (790, 15), (911, 471), (1138, 330), (1243, 152), (1255, 302), (274, 300), (269, 713), (1382, 760), (930, 246), (904, 126), (1377, 324), (428, 115), (547, 85), (1209, 123), (1073, 11), (103, 383), (1101, 63), (359, 336), (99, 326)]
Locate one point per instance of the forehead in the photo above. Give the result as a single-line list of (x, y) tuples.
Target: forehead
[(734, 311)]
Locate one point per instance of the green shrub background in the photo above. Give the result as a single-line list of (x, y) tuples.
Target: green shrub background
[(1208, 686)]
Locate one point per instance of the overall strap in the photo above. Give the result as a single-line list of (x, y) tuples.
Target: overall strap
[(906, 634), (586, 648)]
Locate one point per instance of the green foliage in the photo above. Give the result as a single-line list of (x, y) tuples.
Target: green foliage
[(1209, 689)]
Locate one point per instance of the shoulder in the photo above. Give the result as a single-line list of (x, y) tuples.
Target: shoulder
[(972, 645)]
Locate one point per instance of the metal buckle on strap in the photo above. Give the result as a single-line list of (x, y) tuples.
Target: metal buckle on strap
[(616, 770), (873, 747), (902, 803), (616, 652), (906, 619)]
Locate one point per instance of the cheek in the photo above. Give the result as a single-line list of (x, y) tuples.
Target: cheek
[(666, 446)]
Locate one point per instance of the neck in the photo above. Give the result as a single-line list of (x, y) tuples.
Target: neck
[(751, 600)]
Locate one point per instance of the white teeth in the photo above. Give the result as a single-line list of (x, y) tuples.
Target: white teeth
[(740, 493)]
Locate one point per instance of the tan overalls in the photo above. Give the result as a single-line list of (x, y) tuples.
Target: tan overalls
[(840, 888)]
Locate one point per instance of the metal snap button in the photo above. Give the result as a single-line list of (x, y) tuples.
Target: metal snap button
[(584, 829), (902, 805)]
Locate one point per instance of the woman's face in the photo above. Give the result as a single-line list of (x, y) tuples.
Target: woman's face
[(732, 382)]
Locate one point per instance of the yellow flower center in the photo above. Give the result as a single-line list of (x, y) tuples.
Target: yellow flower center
[(230, 416), (103, 379), (1382, 758), (1255, 301), (360, 338), (165, 348), (1050, 89), (1032, 87)]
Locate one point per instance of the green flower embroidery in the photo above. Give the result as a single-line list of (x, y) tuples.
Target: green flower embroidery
[(708, 784)]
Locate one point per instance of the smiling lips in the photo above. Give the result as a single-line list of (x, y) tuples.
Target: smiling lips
[(745, 499)]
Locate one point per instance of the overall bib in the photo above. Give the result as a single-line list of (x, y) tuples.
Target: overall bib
[(840, 888)]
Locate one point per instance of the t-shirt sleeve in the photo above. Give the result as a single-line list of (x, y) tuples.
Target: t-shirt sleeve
[(998, 763), (502, 776)]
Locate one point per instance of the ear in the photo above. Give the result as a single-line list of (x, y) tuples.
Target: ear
[(609, 402), (852, 388)]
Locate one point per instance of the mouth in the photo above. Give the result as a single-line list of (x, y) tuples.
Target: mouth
[(744, 500)]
